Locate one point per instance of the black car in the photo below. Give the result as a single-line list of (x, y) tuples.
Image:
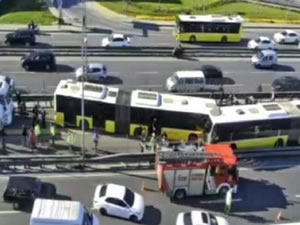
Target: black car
[(25, 37), (22, 191), (286, 83), (40, 60), (211, 71)]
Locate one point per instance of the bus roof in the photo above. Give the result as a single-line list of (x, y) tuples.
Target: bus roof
[(190, 74), (224, 151), (259, 111), (95, 92), (60, 210), (171, 102), (211, 18)]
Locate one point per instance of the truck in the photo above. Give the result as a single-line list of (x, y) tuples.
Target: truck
[(61, 212), (211, 170)]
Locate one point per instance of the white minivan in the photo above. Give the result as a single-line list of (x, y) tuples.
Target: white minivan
[(61, 212), (264, 59), (189, 81)]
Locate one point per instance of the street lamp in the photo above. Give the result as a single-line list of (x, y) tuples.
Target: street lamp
[(84, 74)]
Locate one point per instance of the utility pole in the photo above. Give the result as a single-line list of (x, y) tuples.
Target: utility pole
[(85, 62)]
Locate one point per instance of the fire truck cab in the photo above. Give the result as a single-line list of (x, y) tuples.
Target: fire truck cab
[(207, 172)]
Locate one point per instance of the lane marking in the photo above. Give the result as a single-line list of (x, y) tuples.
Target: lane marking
[(297, 196), (10, 212), (147, 72)]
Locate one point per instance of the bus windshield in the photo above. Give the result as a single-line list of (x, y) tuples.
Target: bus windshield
[(174, 78)]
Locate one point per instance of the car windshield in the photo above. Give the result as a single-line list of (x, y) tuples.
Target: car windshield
[(129, 197), (213, 219), (103, 190), (174, 78), (257, 40), (187, 219), (284, 33)]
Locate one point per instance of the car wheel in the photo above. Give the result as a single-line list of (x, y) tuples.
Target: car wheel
[(48, 67), (26, 67), (224, 39), (16, 205), (192, 39), (133, 218), (103, 211)]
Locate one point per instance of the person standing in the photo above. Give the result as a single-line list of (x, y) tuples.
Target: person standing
[(96, 138), (53, 133), (43, 117), (37, 133), (3, 141), (228, 201), (24, 135), (19, 99)]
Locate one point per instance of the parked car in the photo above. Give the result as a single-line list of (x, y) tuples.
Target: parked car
[(262, 43), (22, 191), (287, 36), (199, 218), (116, 40), (39, 60), (211, 71), (286, 83), (118, 200), (264, 59), (22, 36), (94, 72)]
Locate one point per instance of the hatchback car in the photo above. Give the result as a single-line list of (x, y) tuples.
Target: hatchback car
[(262, 43), (117, 200), (199, 218), (39, 60), (286, 83), (287, 36), (94, 72), (211, 71), (116, 40), (22, 36), (22, 191)]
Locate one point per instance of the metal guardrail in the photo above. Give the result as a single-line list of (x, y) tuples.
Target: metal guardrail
[(164, 51), (125, 160)]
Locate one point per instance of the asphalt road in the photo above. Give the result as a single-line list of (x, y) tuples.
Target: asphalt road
[(161, 37), (148, 72), (261, 195)]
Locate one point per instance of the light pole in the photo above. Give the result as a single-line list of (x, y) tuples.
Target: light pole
[(84, 73)]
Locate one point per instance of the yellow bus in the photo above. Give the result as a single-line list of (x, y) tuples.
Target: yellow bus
[(117, 111), (208, 28)]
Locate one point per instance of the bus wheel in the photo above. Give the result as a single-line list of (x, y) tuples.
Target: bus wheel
[(192, 39), (224, 39), (192, 138), (223, 191), (278, 143), (233, 146), (179, 194)]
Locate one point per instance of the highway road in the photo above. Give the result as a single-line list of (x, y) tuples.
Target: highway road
[(161, 37), (148, 72), (261, 195)]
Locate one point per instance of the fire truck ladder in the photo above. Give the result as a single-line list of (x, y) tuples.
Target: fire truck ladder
[(181, 157)]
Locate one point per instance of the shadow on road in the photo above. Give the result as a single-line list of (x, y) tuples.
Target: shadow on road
[(145, 27), (99, 30), (152, 216), (64, 68), (109, 80)]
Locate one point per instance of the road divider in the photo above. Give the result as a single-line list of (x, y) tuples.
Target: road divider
[(189, 52)]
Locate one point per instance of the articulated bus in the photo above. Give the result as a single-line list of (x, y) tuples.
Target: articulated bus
[(208, 28), (115, 111)]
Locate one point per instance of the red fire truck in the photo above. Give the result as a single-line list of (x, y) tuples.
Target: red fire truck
[(210, 171)]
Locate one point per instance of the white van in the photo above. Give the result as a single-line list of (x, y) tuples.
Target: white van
[(264, 59), (60, 212), (186, 81)]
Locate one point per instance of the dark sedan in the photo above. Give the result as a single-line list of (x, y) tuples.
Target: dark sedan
[(286, 83)]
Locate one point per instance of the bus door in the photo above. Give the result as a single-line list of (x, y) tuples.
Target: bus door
[(210, 180), (122, 113), (293, 132)]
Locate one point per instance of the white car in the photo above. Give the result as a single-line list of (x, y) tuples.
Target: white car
[(287, 36), (262, 43), (95, 71), (117, 200), (199, 218), (116, 40)]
